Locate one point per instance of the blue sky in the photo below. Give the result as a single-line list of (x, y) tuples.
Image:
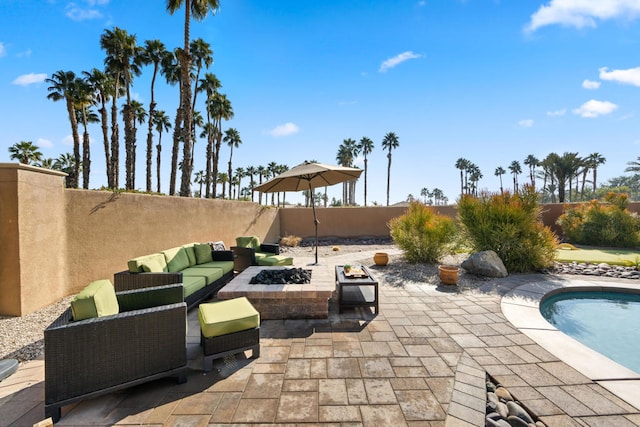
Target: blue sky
[(488, 80)]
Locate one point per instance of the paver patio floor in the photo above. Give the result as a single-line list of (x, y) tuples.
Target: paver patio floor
[(421, 361)]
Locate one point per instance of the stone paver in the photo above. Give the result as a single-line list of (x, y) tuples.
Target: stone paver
[(422, 361)]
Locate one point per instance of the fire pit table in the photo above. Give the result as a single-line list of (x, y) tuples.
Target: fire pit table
[(285, 301)]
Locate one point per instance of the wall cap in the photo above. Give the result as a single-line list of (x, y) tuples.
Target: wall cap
[(31, 168)]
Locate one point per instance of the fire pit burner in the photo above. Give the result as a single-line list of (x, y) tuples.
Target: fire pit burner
[(297, 276)]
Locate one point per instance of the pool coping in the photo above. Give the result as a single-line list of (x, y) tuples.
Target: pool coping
[(521, 306)]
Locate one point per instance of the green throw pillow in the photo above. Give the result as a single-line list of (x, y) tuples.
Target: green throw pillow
[(191, 254), (152, 265), (177, 259), (203, 253), (96, 300)]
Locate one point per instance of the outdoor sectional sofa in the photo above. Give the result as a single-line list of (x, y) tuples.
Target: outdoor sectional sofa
[(202, 271)]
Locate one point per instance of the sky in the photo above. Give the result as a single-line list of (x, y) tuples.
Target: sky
[(491, 81)]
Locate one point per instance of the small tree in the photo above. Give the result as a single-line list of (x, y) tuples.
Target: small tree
[(423, 235), (509, 225)]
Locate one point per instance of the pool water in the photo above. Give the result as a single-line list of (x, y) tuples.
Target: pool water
[(607, 322)]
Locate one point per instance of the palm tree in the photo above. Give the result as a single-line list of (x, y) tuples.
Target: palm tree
[(223, 178), (199, 179), (261, 170), (162, 124), (65, 163), (516, 170), (389, 142), (424, 193), (250, 172), (138, 115), (154, 53), (123, 63), (463, 165), (232, 139), (83, 99), (199, 9), (633, 166), (366, 146), (25, 152), (171, 71), (64, 87), (220, 109), (240, 173), (344, 157), (533, 163), (499, 172), (101, 85), (564, 168), (210, 85), (474, 176), (202, 55), (595, 160)]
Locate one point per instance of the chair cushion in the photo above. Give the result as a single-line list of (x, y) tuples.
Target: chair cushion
[(211, 274), (96, 300), (155, 263), (248, 242), (203, 253), (191, 253), (226, 266), (226, 317), (193, 284), (275, 260), (177, 259)]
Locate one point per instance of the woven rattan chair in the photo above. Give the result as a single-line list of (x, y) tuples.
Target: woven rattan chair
[(145, 341)]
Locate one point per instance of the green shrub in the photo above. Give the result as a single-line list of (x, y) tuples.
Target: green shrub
[(423, 235), (602, 224), (508, 224)]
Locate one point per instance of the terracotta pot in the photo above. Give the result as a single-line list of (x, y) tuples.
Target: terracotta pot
[(381, 258), (448, 274)]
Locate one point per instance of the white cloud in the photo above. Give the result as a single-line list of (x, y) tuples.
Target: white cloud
[(284, 130), (28, 79), (557, 113), (582, 13), (526, 123), (630, 76), (3, 50), (397, 60), (79, 13), (593, 108), (590, 84), (41, 142)]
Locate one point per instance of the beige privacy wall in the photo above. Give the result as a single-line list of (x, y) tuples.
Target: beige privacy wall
[(56, 240)]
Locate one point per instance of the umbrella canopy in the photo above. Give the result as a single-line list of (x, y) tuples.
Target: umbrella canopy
[(306, 176), (309, 175)]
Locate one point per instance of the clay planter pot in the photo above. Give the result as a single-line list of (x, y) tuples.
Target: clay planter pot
[(448, 274), (381, 258)]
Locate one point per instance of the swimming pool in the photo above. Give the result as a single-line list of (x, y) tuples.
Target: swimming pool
[(607, 322)]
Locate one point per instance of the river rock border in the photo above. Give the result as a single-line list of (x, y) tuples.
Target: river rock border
[(503, 410), (591, 269)]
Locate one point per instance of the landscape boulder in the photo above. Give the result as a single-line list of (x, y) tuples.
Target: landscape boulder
[(485, 263)]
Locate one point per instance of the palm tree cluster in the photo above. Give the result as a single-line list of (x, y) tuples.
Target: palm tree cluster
[(435, 197), (564, 177), (124, 61), (349, 150)]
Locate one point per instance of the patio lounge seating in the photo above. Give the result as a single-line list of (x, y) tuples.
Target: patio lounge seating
[(249, 251), (200, 269), (107, 341)]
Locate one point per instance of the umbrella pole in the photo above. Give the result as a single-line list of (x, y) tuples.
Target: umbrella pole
[(315, 219)]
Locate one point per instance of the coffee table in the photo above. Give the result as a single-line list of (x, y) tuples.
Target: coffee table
[(356, 291)]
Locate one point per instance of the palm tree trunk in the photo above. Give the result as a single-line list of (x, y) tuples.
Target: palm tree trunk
[(159, 149), (177, 131), (185, 82), (86, 155), (115, 137), (365, 180), (388, 175), (105, 141)]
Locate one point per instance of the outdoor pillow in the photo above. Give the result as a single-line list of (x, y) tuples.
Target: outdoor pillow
[(203, 253), (96, 300), (177, 259), (191, 254), (218, 246), (136, 265)]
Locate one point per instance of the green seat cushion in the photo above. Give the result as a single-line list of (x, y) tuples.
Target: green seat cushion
[(192, 284), (211, 274), (248, 242), (275, 260), (155, 263), (226, 266), (260, 255), (96, 300), (177, 259), (203, 253), (191, 253), (226, 317)]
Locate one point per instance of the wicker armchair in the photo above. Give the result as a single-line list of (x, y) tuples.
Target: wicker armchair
[(145, 341)]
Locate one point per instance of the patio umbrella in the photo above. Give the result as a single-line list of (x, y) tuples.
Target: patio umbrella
[(307, 176)]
